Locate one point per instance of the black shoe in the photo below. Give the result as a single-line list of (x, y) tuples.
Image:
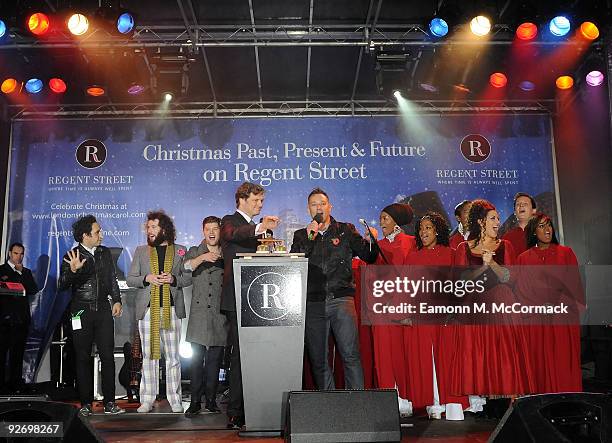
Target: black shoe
[(212, 406), (112, 408), (193, 409), (235, 422), (86, 410)]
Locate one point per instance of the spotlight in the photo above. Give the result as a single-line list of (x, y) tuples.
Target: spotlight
[(480, 25), (185, 350), (428, 87), (526, 31), (95, 91), (589, 30), (57, 85), (38, 23), (595, 78), (34, 85), (168, 96), (397, 94), (564, 82), (498, 80), (438, 27), (461, 88), (559, 26), (526, 86), (125, 23), (9, 86), (78, 24), (135, 89), (2, 28)]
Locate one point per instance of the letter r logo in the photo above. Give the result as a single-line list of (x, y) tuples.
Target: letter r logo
[(475, 148), (91, 154)]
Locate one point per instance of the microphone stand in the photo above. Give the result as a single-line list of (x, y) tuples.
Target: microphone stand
[(372, 239)]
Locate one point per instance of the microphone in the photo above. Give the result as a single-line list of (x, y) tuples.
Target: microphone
[(372, 239), (319, 219)]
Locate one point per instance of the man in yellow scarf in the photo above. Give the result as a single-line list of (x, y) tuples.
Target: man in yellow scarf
[(156, 271)]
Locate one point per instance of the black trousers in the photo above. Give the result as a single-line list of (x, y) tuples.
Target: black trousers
[(205, 364), (235, 405), (96, 327), (14, 334)]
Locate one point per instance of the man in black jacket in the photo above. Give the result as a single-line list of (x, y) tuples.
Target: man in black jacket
[(330, 247), (239, 233), (14, 319), (88, 270)]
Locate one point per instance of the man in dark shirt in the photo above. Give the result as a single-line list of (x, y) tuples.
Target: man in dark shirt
[(88, 271), (14, 319), (330, 247)]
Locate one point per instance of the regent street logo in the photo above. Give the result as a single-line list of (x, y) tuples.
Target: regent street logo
[(266, 298), (91, 154), (475, 148)]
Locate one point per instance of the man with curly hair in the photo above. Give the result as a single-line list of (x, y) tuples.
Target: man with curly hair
[(156, 271)]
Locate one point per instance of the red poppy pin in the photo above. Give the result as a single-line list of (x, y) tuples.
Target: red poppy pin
[(335, 241), (181, 252)]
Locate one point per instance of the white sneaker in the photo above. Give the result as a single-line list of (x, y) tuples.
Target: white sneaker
[(177, 408), (405, 407), (144, 407)]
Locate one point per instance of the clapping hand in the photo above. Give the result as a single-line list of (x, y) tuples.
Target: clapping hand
[(74, 260)]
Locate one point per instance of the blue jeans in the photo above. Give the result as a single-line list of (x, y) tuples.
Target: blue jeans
[(339, 315)]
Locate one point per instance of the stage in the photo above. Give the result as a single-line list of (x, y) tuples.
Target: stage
[(164, 426)]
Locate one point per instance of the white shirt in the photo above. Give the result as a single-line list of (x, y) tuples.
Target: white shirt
[(258, 230), (92, 251), (12, 265)]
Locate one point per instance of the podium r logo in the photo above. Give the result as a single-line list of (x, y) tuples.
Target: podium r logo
[(274, 296), (266, 296)]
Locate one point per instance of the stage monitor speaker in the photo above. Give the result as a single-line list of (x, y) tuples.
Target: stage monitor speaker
[(557, 418), (36, 411), (342, 416)]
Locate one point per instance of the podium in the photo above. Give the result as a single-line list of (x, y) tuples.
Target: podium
[(270, 307)]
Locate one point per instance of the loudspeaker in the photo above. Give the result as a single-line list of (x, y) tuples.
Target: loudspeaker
[(342, 416), (37, 411), (558, 418)]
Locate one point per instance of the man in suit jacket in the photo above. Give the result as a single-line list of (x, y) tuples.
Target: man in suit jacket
[(239, 233), (14, 318), (156, 271)]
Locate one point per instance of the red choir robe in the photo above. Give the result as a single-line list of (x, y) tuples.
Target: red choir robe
[(419, 339), (455, 240), (490, 359), (554, 349), (516, 236), (389, 358)]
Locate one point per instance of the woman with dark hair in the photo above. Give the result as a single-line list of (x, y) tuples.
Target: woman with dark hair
[(491, 357), (389, 358), (430, 347), (554, 348)]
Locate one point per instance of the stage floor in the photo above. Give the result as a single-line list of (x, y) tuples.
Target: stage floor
[(162, 425)]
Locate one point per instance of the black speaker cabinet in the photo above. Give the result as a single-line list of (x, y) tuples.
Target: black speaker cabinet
[(557, 418), (342, 416), (38, 411)]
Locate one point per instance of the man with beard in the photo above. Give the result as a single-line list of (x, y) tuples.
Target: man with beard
[(524, 209), (89, 271), (207, 327), (14, 318), (156, 271), (239, 233)]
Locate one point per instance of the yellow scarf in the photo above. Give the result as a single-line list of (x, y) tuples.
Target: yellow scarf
[(156, 291)]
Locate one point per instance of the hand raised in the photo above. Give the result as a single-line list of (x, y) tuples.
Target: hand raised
[(312, 229), (270, 222), (74, 260)]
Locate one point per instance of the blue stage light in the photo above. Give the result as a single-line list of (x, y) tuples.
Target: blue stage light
[(125, 23), (34, 85), (2, 28), (559, 26), (527, 86), (438, 27)]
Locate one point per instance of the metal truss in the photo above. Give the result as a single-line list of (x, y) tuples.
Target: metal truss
[(331, 108), (194, 35)]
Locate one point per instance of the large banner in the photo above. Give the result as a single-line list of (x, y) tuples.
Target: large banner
[(120, 169)]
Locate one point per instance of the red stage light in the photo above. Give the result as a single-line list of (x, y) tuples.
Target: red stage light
[(95, 91), (498, 80), (9, 86), (38, 23), (57, 85), (526, 31), (589, 30), (564, 82)]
